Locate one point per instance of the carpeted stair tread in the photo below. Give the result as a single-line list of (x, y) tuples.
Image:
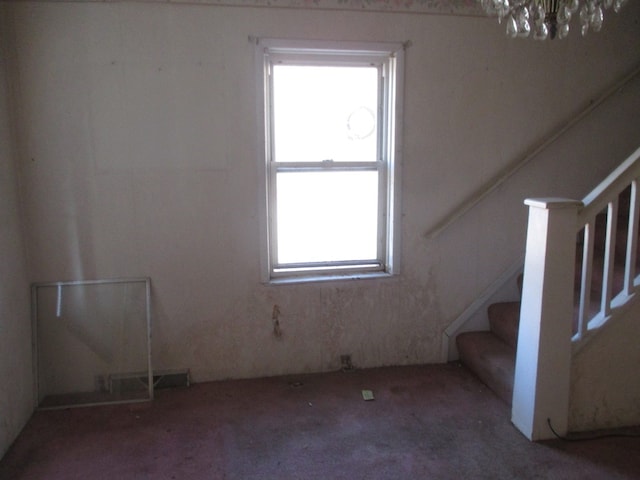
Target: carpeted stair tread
[(491, 359), (504, 318)]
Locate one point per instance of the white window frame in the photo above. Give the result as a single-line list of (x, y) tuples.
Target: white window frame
[(390, 58)]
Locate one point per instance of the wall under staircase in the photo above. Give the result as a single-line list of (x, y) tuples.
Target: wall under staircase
[(605, 390)]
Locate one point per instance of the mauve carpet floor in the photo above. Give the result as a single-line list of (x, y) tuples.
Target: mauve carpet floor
[(426, 422)]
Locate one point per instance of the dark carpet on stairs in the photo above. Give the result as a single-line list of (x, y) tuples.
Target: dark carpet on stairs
[(426, 422)]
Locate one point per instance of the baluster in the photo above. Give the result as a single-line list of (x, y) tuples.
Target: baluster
[(585, 280), (632, 240), (609, 259)]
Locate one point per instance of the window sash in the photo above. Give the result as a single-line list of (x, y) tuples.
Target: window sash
[(363, 263), (324, 166)]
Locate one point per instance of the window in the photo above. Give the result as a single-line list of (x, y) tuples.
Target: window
[(330, 163)]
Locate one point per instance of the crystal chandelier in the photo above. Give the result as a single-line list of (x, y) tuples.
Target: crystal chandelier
[(549, 18)]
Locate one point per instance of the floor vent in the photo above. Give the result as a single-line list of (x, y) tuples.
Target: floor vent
[(127, 382)]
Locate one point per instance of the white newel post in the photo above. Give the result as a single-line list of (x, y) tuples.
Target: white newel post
[(543, 359)]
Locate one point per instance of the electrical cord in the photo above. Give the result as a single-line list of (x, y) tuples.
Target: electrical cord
[(592, 437)]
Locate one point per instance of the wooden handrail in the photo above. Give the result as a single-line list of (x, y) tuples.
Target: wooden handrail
[(512, 169), (615, 182)]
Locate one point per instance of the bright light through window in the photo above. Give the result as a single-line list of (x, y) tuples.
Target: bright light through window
[(327, 216), (325, 113), (330, 118)]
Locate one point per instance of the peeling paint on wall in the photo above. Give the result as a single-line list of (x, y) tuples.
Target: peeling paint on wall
[(275, 316)]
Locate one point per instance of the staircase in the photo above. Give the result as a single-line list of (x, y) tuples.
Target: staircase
[(491, 355)]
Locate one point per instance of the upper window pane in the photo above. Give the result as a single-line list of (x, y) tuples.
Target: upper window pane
[(325, 113)]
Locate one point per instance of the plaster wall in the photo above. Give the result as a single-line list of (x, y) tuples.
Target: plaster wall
[(16, 376), (605, 389), (138, 152)]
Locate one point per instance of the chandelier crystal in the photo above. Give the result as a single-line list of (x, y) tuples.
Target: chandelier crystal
[(544, 19)]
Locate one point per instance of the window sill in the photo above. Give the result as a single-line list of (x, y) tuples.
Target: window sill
[(328, 278)]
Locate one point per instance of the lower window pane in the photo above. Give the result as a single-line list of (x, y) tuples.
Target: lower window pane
[(327, 216)]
